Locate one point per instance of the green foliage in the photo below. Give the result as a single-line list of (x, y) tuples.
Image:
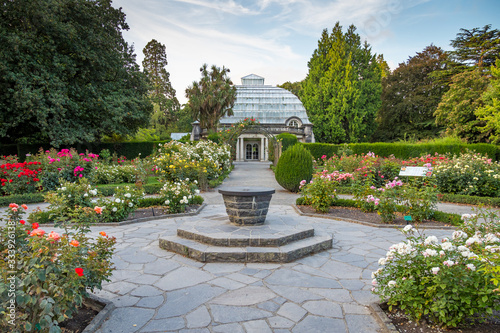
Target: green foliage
[(293, 87), (410, 96), (479, 47), (53, 273), (26, 198), (321, 191), (287, 140), (445, 280), (67, 75), (403, 150), (489, 113), (470, 200), (294, 165), (214, 137), (342, 89), (458, 104), (212, 97), (161, 92)]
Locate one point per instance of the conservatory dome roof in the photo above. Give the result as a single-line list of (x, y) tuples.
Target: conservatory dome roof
[(265, 103)]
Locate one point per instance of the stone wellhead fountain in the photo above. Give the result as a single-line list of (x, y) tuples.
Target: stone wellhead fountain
[(246, 233)]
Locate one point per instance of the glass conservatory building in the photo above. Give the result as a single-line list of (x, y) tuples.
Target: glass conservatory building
[(277, 110)]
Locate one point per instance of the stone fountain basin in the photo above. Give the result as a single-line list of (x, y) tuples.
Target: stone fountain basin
[(247, 205)]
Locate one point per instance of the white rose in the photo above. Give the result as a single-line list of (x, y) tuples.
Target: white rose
[(114, 209), (117, 200)]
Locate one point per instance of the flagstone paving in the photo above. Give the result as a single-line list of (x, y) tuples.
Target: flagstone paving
[(159, 291)]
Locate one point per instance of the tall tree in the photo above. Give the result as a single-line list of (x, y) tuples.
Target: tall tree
[(456, 111), (212, 97), (478, 47), (386, 70), (66, 73), (410, 96), (161, 92), (293, 87), (341, 92), (489, 113), (475, 51)]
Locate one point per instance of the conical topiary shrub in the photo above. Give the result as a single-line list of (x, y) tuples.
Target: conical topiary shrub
[(294, 165)]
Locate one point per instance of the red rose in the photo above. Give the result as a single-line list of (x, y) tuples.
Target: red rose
[(79, 271)]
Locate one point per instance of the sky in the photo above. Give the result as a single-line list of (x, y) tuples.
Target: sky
[(276, 38)]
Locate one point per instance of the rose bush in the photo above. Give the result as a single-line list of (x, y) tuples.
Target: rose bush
[(51, 272), (445, 279), (320, 192), (65, 164), (178, 195), (176, 161), (19, 178)]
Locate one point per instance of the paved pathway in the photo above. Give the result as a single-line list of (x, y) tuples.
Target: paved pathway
[(158, 291)]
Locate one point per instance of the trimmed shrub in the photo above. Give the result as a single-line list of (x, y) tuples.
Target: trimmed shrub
[(287, 140), (294, 165), (403, 150)]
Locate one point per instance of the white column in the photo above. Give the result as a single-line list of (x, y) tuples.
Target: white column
[(262, 148), (266, 149), (237, 158), (242, 149)]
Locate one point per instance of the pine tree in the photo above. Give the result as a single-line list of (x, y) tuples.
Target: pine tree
[(161, 93), (341, 92)]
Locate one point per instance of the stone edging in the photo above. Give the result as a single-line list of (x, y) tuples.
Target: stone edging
[(382, 319), (375, 225), (103, 314), (139, 220)]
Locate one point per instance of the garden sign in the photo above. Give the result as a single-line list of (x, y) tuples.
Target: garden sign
[(415, 172)]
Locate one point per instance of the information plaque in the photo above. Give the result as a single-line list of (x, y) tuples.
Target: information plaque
[(415, 171)]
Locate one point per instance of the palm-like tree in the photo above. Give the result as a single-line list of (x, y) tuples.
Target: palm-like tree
[(212, 97)]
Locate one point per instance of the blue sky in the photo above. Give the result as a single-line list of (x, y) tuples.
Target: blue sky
[(276, 38)]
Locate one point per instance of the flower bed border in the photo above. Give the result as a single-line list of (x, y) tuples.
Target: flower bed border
[(369, 224), (142, 219), (382, 318), (93, 301)]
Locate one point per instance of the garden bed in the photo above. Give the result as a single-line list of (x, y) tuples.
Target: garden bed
[(352, 214), (145, 215), (403, 324)]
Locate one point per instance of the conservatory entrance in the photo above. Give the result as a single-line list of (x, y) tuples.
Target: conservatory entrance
[(252, 151)]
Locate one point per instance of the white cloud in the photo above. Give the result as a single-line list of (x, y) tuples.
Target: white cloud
[(228, 6)]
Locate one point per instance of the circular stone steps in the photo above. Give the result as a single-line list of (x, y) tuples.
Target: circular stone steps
[(217, 240)]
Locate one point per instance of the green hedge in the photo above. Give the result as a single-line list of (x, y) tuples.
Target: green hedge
[(21, 199), (128, 149), (287, 140), (8, 149), (470, 200), (403, 150)]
